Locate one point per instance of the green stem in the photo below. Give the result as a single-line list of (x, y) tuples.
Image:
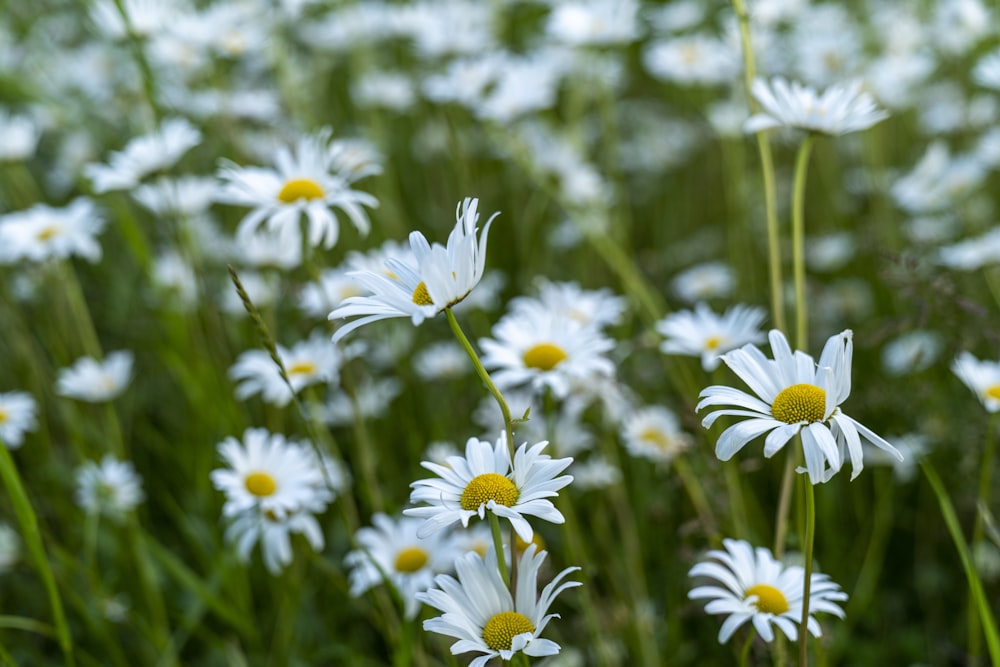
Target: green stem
[(697, 495), (784, 504), (810, 534), (498, 547), (982, 500), (747, 645), (33, 540), (798, 243), (484, 376)]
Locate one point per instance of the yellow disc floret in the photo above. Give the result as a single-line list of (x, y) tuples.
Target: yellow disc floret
[(769, 599), (260, 484), (486, 487), (421, 296), (800, 403), (3, 416), (713, 343), (993, 392), (47, 233), (544, 356), (300, 188), (499, 631), (302, 368), (411, 559)]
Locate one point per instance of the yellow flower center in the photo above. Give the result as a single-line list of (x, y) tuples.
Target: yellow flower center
[(713, 342), (544, 356), (536, 539), (300, 188), (3, 416), (769, 599), (800, 403), (993, 392), (260, 484), (411, 559), (657, 437), (302, 368), (499, 631), (486, 487), (421, 296), (46, 233)]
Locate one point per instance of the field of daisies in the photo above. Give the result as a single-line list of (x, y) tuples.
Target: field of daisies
[(532, 332)]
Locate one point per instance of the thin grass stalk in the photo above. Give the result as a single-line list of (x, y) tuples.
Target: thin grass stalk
[(798, 243), (810, 533), (982, 500)]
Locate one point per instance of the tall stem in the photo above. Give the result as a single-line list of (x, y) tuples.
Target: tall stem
[(807, 581), (798, 243), (784, 503), (982, 501)]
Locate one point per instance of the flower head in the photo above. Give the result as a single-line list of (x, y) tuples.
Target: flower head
[(143, 155), (702, 333), (982, 377), (793, 396), (308, 362), (111, 488), (654, 433), (274, 534), (837, 110), (17, 416), (757, 588), (480, 612), (435, 278), (44, 232), (484, 480), (95, 381)]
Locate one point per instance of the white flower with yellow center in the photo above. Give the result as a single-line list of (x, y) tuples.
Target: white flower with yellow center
[(757, 588), (95, 381), (537, 347), (480, 612), (433, 278), (304, 182), (702, 333), (269, 474), (654, 433), (44, 232), (485, 481), (110, 488), (17, 417), (596, 308), (837, 110), (392, 547), (794, 396), (310, 361), (144, 155), (274, 534), (982, 377)]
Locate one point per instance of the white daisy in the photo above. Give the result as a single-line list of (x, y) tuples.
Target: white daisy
[(982, 377), (274, 534), (392, 547), (143, 155), (44, 232), (757, 588), (95, 381), (704, 281), (18, 137), (703, 333), (436, 278), (654, 433), (594, 22), (794, 396), (318, 298), (484, 481), (270, 473), (597, 308), (310, 181), (111, 488), (441, 361), (17, 417), (537, 347), (308, 362), (480, 612), (837, 110)]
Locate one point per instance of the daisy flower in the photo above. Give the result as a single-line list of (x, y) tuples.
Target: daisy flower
[(757, 588), (837, 110), (597, 308), (274, 534), (18, 137), (17, 417), (704, 281), (437, 277), (269, 473), (306, 181), (308, 362), (392, 547), (793, 396), (982, 377), (702, 333), (143, 155), (482, 614), (43, 232), (537, 347), (485, 481), (95, 381), (654, 433), (111, 488)]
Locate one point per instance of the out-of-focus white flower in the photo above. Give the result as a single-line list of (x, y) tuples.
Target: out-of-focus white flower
[(594, 22), (982, 377), (704, 281), (702, 333), (43, 232), (95, 381), (837, 110), (693, 60), (143, 155), (307, 362), (18, 137), (654, 433), (17, 417), (111, 488), (911, 352)]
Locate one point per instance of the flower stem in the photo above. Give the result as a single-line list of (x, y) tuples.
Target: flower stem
[(484, 376), (784, 504), (983, 500), (745, 652), (498, 547), (810, 535), (798, 243)]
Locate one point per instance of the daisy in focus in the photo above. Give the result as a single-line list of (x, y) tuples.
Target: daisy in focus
[(310, 181), (702, 333), (837, 110), (793, 396), (654, 433), (410, 562), (484, 480), (982, 377), (144, 155), (481, 613), (111, 488), (753, 586), (17, 417), (308, 362), (435, 278), (44, 232), (536, 347), (96, 381)]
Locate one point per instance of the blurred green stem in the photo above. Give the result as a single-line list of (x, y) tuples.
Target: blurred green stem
[(810, 534), (498, 547), (33, 540), (784, 505), (798, 244), (983, 500)]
